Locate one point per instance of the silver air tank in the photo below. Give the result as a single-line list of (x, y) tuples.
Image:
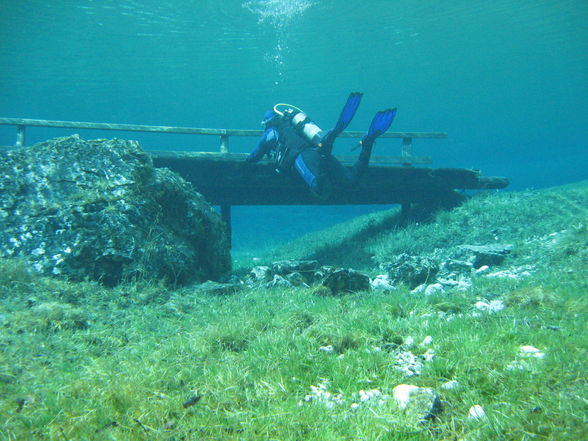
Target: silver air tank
[(307, 128)]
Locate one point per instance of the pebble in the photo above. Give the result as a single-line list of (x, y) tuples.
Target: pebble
[(434, 288), (427, 341), (491, 307), (450, 385), (530, 351), (402, 394), (477, 412), (368, 395), (382, 283), (482, 270)]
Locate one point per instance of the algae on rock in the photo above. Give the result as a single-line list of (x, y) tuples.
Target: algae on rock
[(98, 209)]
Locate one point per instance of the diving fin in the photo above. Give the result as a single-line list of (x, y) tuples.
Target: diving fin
[(345, 118), (381, 122), (348, 111)]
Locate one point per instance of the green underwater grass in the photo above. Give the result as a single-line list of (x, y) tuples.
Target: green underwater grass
[(79, 361)]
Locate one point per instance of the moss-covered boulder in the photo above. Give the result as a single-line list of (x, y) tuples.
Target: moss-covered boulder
[(99, 209)]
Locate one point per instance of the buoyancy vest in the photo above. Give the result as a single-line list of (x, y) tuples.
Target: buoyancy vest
[(290, 144)]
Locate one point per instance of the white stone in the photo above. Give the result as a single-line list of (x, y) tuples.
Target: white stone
[(382, 282), (506, 274), (482, 270), (427, 341), (491, 307), (450, 385), (328, 348), (419, 289), (408, 363), (368, 395), (261, 273), (429, 354), (417, 403), (435, 288), (38, 251), (463, 284), (530, 351), (477, 412), (402, 393)]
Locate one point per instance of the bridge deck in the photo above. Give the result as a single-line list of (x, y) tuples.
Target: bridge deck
[(225, 179)]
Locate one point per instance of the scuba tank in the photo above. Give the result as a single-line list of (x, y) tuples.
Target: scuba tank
[(304, 126)]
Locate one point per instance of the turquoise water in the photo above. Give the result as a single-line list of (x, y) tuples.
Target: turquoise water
[(508, 80)]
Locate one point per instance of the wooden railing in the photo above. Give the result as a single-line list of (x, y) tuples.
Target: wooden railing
[(224, 134)]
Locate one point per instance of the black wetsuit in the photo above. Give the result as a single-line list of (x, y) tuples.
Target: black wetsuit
[(321, 171)]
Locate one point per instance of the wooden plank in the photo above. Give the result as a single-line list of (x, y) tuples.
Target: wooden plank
[(233, 182), (187, 130), (239, 157)]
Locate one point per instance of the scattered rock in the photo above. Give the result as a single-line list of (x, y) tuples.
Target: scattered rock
[(480, 255), (513, 273), (450, 385), (285, 267), (530, 352), (435, 288), (482, 270), (215, 288), (408, 342), (279, 282), (293, 273), (461, 283), (456, 266), (427, 341), (490, 307), (369, 395), (382, 283), (408, 363), (477, 412), (297, 279), (346, 280), (524, 356), (412, 270), (418, 403), (321, 395), (261, 274)]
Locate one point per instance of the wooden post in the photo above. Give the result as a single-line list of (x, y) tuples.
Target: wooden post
[(406, 151), (226, 216), (224, 144), (20, 136)]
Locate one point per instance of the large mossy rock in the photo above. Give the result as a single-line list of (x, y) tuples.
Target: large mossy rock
[(100, 210)]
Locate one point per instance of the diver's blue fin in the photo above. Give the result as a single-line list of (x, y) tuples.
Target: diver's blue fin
[(348, 111), (345, 118), (381, 122)]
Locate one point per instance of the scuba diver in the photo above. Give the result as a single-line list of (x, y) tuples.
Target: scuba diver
[(294, 142)]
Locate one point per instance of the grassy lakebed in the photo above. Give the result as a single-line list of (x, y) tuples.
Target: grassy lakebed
[(79, 361)]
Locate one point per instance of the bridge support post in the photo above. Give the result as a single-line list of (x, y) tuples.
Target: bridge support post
[(406, 151), (20, 136), (226, 216), (224, 144)]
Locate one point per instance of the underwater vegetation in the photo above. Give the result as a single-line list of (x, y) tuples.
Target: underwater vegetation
[(501, 354)]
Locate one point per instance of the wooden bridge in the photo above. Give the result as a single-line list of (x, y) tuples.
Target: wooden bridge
[(225, 179)]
